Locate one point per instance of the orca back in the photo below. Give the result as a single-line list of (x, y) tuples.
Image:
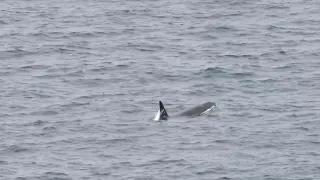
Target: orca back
[(198, 110)]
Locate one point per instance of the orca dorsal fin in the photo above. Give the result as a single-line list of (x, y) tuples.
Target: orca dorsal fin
[(163, 113)]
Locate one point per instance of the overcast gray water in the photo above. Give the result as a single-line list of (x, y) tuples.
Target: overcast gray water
[(81, 80)]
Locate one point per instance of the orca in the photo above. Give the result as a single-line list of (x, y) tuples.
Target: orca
[(193, 112)]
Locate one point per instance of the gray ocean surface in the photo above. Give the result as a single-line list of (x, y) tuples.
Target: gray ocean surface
[(80, 82)]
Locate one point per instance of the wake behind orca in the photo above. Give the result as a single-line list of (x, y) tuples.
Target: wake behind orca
[(195, 111)]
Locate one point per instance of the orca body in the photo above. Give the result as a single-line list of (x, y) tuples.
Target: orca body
[(195, 111)]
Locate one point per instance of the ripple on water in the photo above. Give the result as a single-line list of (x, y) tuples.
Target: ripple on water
[(222, 72), (49, 128), (16, 53), (102, 174), (3, 162), (56, 175), (34, 67), (211, 72), (15, 149), (38, 123), (161, 162)]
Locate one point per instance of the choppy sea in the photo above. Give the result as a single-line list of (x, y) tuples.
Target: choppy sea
[(80, 82)]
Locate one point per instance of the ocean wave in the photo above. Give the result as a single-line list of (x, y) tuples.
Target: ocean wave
[(49, 128), (56, 175), (237, 55), (15, 53), (161, 161), (221, 72), (208, 72), (15, 149), (38, 123), (104, 174), (44, 112), (35, 66)]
